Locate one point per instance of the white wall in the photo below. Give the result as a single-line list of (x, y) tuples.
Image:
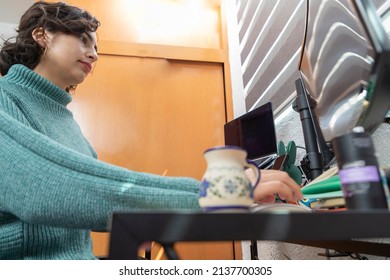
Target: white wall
[(7, 30), (10, 13)]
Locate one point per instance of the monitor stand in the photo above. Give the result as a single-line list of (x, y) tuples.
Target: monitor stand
[(318, 153)]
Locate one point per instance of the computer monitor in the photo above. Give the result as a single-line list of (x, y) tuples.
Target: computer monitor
[(344, 70), (255, 132), (345, 65)]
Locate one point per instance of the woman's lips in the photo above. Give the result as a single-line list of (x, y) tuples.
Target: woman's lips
[(87, 66)]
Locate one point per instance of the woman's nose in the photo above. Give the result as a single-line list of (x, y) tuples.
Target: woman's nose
[(93, 55)]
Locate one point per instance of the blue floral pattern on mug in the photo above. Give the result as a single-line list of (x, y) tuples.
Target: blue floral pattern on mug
[(234, 185), (230, 186), (204, 185)]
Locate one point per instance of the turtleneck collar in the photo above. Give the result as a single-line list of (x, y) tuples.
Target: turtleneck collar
[(24, 76)]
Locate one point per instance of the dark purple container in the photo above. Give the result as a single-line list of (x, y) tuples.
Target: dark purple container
[(358, 170)]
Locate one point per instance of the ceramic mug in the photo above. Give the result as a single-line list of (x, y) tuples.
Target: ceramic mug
[(225, 185)]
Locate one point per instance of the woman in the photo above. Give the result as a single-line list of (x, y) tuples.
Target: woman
[(53, 190)]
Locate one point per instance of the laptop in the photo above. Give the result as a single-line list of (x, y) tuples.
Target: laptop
[(255, 132)]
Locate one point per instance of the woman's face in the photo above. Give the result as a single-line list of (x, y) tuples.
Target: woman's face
[(67, 59)]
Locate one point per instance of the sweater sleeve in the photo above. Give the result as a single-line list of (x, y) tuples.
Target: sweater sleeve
[(43, 182)]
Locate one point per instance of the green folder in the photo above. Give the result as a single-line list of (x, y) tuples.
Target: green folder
[(324, 195), (331, 184)]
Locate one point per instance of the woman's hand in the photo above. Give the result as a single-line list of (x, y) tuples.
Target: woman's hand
[(275, 182)]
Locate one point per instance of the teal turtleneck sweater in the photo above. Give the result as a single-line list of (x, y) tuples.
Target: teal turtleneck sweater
[(53, 190)]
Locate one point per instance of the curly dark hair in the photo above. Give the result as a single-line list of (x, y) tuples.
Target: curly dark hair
[(52, 17)]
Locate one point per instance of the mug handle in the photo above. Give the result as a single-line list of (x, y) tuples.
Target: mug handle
[(256, 171)]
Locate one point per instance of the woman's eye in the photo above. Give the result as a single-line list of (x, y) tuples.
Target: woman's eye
[(83, 39)]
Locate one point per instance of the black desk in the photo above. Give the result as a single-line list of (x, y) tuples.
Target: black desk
[(334, 230)]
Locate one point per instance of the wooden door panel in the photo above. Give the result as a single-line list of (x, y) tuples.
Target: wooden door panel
[(221, 250), (152, 115)]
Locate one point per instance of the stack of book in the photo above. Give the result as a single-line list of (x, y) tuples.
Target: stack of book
[(324, 193), (279, 207)]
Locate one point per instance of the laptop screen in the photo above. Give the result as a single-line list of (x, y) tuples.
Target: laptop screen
[(254, 131)]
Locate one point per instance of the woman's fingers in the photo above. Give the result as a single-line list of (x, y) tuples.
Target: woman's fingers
[(283, 177), (276, 182)]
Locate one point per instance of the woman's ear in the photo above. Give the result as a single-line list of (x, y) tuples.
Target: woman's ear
[(39, 36)]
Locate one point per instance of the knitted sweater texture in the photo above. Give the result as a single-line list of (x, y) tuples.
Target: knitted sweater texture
[(53, 190)]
